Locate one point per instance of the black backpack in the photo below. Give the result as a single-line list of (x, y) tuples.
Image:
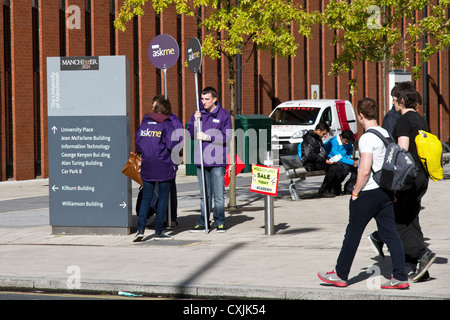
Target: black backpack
[(399, 170)]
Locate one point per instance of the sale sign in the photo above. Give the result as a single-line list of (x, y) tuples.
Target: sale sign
[(265, 180)]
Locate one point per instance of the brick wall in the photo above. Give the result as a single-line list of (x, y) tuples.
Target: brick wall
[(22, 89), (266, 80)]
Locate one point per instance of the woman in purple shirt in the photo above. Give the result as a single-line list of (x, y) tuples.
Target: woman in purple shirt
[(153, 142)]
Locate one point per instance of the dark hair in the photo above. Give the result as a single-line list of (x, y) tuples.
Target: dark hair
[(157, 98), (401, 86), (406, 93), (368, 108), (408, 98), (418, 98), (348, 135), (323, 126), (210, 90), (163, 106)]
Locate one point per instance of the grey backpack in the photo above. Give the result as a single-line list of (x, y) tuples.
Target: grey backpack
[(399, 169)]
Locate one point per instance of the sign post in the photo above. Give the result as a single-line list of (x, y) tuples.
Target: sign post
[(194, 60), (265, 181), (163, 53), (89, 143)]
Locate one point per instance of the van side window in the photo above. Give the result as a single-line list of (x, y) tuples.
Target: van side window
[(327, 116)]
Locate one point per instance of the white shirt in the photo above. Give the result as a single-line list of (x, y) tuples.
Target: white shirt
[(370, 143)]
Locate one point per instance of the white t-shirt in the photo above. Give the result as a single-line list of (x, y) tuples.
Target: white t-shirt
[(370, 143)]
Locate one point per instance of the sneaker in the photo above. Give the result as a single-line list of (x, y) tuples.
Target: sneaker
[(198, 228), (162, 236), (376, 245), (221, 228), (426, 276), (395, 284), (138, 237), (423, 265), (332, 277)]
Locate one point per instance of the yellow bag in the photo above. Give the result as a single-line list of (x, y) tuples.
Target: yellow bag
[(429, 149)]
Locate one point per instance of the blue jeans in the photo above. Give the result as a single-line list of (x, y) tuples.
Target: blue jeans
[(215, 187), (370, 204), (161, 209)]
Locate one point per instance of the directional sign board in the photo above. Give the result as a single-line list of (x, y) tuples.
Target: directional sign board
[(89, 143)]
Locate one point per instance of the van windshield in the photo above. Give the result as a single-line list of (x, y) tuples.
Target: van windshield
[(295, 115)]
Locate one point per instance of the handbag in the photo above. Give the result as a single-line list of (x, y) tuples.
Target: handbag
[(132, 168)]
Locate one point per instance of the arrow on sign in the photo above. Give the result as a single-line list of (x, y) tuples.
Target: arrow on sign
[(123, 205), (54, 129), (54, 188)]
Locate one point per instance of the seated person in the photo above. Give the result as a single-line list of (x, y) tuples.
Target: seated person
[(314, 157), (340, 151), (313, 153)]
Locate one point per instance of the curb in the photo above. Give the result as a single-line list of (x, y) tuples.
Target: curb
[(208, 292)]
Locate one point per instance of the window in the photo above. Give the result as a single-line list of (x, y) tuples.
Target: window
[(296, 115), (36, 88), (8, 115)]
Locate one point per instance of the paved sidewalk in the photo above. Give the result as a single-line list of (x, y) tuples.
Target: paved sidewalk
[(243, 262)]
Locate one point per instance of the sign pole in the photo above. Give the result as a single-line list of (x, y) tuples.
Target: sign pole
[(194, 60), (163, 52), (206, 209), (169, 206), (165, 83), (265, 180), (268, 204)]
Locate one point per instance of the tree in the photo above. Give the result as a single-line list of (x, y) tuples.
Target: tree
[(374, 31), (231, 26)]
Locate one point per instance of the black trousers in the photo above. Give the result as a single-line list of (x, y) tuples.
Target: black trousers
[(333, 178), (407, 207), (370, 204)]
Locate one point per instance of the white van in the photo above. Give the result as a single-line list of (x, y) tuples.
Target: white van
[(291, 119)]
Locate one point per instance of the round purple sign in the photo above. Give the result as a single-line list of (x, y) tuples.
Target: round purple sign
[(163, 51)]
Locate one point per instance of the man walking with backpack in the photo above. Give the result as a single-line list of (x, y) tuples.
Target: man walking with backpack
[(369, 201), (408, 202)]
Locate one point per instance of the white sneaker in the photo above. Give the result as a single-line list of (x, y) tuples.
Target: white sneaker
[(138, 237)]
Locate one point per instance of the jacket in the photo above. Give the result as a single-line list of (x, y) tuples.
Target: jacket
[(313, 150), (334, 147), (217, 124), (153, 142)]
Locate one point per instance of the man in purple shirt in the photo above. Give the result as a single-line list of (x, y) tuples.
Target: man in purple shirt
[(215, 133)]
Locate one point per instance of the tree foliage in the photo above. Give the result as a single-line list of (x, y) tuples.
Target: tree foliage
[(386, 30), (230, 28)]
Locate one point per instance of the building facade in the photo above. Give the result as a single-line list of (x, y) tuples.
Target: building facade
[(32, 30)]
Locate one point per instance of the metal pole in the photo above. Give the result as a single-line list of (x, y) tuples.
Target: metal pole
[(268, 215), (165, 83), (199, 129), (169, 207), (268, 203)]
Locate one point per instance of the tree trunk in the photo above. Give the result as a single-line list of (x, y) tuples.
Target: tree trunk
[(232, 82)]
